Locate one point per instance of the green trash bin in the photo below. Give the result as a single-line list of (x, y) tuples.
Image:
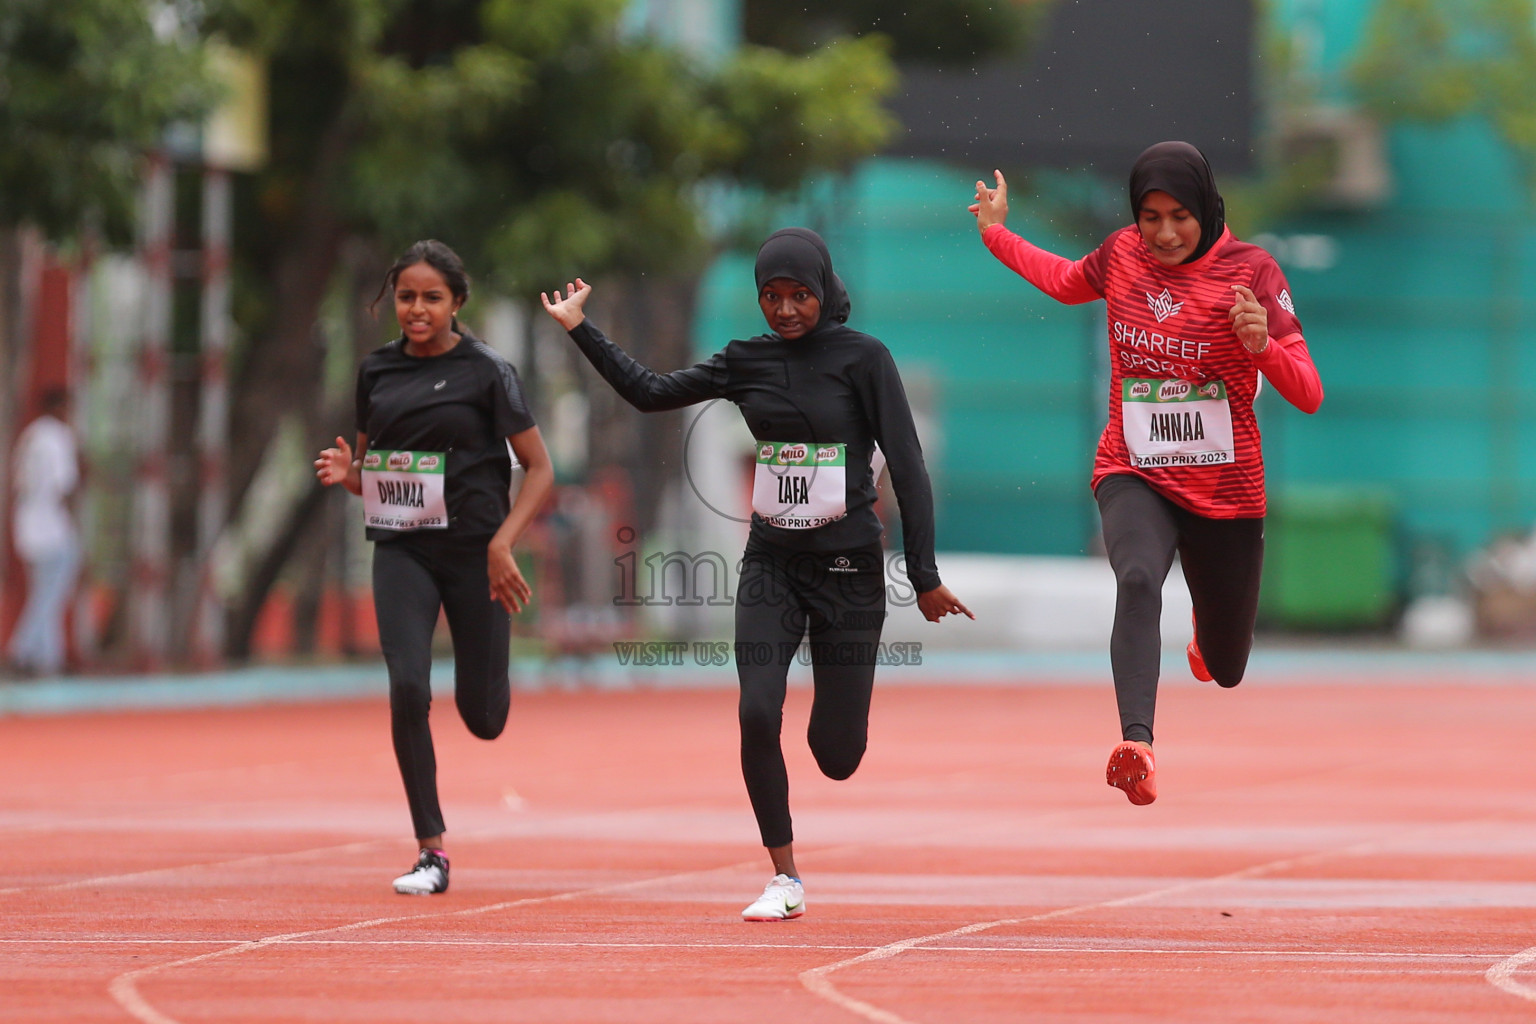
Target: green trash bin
[(1330, 559)]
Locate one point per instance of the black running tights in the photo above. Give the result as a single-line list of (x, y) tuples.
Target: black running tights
[(1222, 559), (413, 577), (839, 599)]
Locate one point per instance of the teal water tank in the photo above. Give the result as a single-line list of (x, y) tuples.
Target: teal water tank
[(1330, 559)]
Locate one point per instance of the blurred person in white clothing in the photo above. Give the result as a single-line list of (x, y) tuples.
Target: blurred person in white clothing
[(45, 472)]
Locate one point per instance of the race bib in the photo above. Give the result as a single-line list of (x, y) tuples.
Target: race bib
[(404, 490), (1176, 423), (800, 486)]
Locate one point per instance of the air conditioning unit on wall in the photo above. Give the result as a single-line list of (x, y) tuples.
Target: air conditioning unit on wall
[(1353, 147)]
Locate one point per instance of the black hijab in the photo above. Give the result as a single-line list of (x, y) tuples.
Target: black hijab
[(1182, 171), (799, 254)]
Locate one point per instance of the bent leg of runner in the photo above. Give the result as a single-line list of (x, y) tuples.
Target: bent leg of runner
[(1223, 560), (848, 615), (1140, 536), (405, 601), (769, 627), (482, 632)]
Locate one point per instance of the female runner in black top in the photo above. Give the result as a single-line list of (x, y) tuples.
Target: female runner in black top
[(818, 397), (436, 410)]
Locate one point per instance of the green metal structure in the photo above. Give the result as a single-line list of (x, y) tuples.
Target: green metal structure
[(1420, 311)]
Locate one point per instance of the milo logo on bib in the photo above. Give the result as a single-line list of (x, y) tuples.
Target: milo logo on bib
[(1176, 423), (792, 454), (404, 491), (800, 486)]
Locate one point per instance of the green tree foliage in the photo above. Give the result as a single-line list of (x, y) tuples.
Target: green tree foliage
[(1434, 60), (537, 137), (86, 87), (534, 133)]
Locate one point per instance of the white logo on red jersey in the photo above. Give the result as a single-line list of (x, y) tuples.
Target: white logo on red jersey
[(1162, 306), (1285, 301)]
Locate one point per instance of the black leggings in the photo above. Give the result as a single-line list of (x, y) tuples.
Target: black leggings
[(1222, 559), (412, 577), (839, 598)]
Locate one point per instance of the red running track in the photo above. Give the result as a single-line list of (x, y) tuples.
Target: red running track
[(1319, 853)]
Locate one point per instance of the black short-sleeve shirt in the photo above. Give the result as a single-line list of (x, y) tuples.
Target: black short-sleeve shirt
[(465, 403)]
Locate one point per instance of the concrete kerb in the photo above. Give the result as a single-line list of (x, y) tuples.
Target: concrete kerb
[(1269, 666)]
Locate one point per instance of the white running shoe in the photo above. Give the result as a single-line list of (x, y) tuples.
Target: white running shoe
[(782, 900), (430, 875)]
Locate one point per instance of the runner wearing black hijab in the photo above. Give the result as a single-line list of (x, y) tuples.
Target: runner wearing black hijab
[(1194, 317), (818, 396)]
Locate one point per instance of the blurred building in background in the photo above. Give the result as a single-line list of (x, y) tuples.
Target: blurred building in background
[(1410, 246), (1411, 251)]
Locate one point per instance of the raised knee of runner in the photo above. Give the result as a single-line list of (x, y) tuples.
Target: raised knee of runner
[(1226, 675), (485, 723), (839, 761), (485, 729), (839, 768)]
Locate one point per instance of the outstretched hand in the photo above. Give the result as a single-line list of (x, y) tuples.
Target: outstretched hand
[(939, 602), (991, 205), (1250, 322), (568, 311)]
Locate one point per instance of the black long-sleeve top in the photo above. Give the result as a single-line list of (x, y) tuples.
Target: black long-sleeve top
[(834, 386)]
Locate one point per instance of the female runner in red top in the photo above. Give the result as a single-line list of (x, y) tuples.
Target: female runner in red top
[(1194, 317)]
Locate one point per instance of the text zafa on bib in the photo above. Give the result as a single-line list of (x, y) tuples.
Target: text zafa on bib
[(404, 490), (1176, 422), (800, 486)]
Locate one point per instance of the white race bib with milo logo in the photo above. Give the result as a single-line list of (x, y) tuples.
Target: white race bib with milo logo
[(800, 486), (404, 491), (1176, 422)]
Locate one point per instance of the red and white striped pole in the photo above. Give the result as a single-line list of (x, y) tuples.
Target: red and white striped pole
[(148, 602), (213, 411), (84, 418)]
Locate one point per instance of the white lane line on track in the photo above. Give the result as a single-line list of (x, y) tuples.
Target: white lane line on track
[(251, 861), (135, 784), (816, 980), (1311, 954), (261, 858), (124, 988), (1502, 975)]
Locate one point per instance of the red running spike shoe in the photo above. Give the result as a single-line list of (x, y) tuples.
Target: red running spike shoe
[(1196, 659), (1131, 769)]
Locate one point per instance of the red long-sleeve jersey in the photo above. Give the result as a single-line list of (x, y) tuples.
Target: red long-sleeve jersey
[(1181, 385)]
